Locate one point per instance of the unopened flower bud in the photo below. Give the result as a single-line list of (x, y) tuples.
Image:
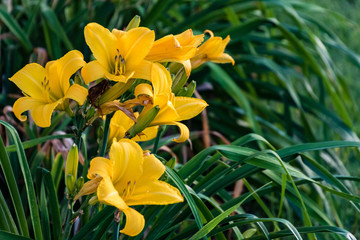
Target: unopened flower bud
[(143, 122), (93, 200), (71, 166), (70, 183), (134, 23), (190, 89), (179, 81), (79, 183)]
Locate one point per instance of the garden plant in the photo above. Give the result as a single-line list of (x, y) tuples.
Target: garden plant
[(170, 119)]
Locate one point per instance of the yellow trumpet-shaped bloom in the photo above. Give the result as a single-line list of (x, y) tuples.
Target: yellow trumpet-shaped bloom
[(119, 55), (172, 109), (129, 178), (212, 50), (47, 89), (179, 48), (120, 123)]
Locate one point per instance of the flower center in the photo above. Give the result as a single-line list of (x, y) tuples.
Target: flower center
[(128, 190), (46, 89), (119, 64)]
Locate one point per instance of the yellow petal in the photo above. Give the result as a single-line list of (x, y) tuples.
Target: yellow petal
[(67, 66), (29, 79), (119, 124), (154, 192), (148, 134), (107, 194), (168, 48), (102, 44), (127, 159), (167, 111), (56, 89), (188, 38), (153, 168), (223, 58), (143, 70), (100, 166), (92, 71), (188, 108), (77, 93), (187, 66), (136, 44), (119, 78), (135, 222), (143, 88), (184, 132), (160, 79), (40, 111), (118, 33)]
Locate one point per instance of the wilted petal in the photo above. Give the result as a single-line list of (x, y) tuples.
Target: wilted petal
[(89, 187)]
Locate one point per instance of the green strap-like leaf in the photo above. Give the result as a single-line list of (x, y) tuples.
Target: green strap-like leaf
[(30, 190)]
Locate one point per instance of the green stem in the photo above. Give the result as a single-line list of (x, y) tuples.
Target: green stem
[(68, 225), (106, 134), (161, 131)]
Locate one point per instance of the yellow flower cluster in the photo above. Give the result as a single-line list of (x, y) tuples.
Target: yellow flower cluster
[(130, 176)]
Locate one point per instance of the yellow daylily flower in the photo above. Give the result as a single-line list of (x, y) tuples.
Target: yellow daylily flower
[(129, 178), (172, 109), (212, 50), (47, 89), (120, 123), (119, 54), (179, 48)]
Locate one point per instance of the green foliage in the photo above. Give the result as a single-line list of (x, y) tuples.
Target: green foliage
[(286, 107)]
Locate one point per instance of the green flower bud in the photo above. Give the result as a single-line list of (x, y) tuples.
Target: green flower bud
[(93, 200), (142, 122), (179, 81), (134, 23), (190, 89), (70, 183), (79, 183), (71, 166)]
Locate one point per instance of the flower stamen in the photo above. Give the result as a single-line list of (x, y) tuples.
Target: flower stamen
[(119, 64)]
